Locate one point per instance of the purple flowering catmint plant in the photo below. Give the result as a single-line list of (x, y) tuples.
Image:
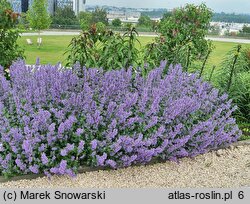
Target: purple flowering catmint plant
[(53, 120)]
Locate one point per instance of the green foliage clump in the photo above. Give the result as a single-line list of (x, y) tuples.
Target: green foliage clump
[(182, 37), (65, 16), (116, 22), (23, 23), (99, 15), (38, 15), (100, 27), (240, 93), (246, 29), (100, 47), (9, 49), (245, 128), (235, 79), (85, 20), (144, 21), (182, 41)]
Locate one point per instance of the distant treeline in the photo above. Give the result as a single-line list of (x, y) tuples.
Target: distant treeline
[(218, 17), (155, 13), (231, 17)]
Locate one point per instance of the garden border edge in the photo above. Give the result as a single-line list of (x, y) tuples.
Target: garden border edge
[(85, 169)]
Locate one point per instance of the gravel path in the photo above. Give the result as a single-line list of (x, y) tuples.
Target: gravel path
[(224, 168)]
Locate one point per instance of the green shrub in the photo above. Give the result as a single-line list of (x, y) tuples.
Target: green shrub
[(182, 37), (116, 22), (245, 127), (9, 48), (240, 93), (235, 79), (100, 47), (65, 16)]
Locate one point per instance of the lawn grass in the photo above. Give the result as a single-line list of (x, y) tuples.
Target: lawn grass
[(53, 49), (221, 49)]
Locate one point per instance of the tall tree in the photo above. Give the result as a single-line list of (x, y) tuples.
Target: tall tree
[(145, 21), (38, 16), (99, 15), (246, 29), (65, 16), (116, 22)]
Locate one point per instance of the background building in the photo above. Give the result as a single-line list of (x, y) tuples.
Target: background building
[(79, 5), (30, 2), (51, 6), (76, 5), (124, 16), (64, 3), (16, 5), (23, 5)]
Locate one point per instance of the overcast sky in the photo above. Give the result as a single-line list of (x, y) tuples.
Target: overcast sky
[(238, 6)]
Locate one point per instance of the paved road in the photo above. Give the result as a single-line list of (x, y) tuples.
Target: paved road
[(69, 33), (52, 33), (230, 40)]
